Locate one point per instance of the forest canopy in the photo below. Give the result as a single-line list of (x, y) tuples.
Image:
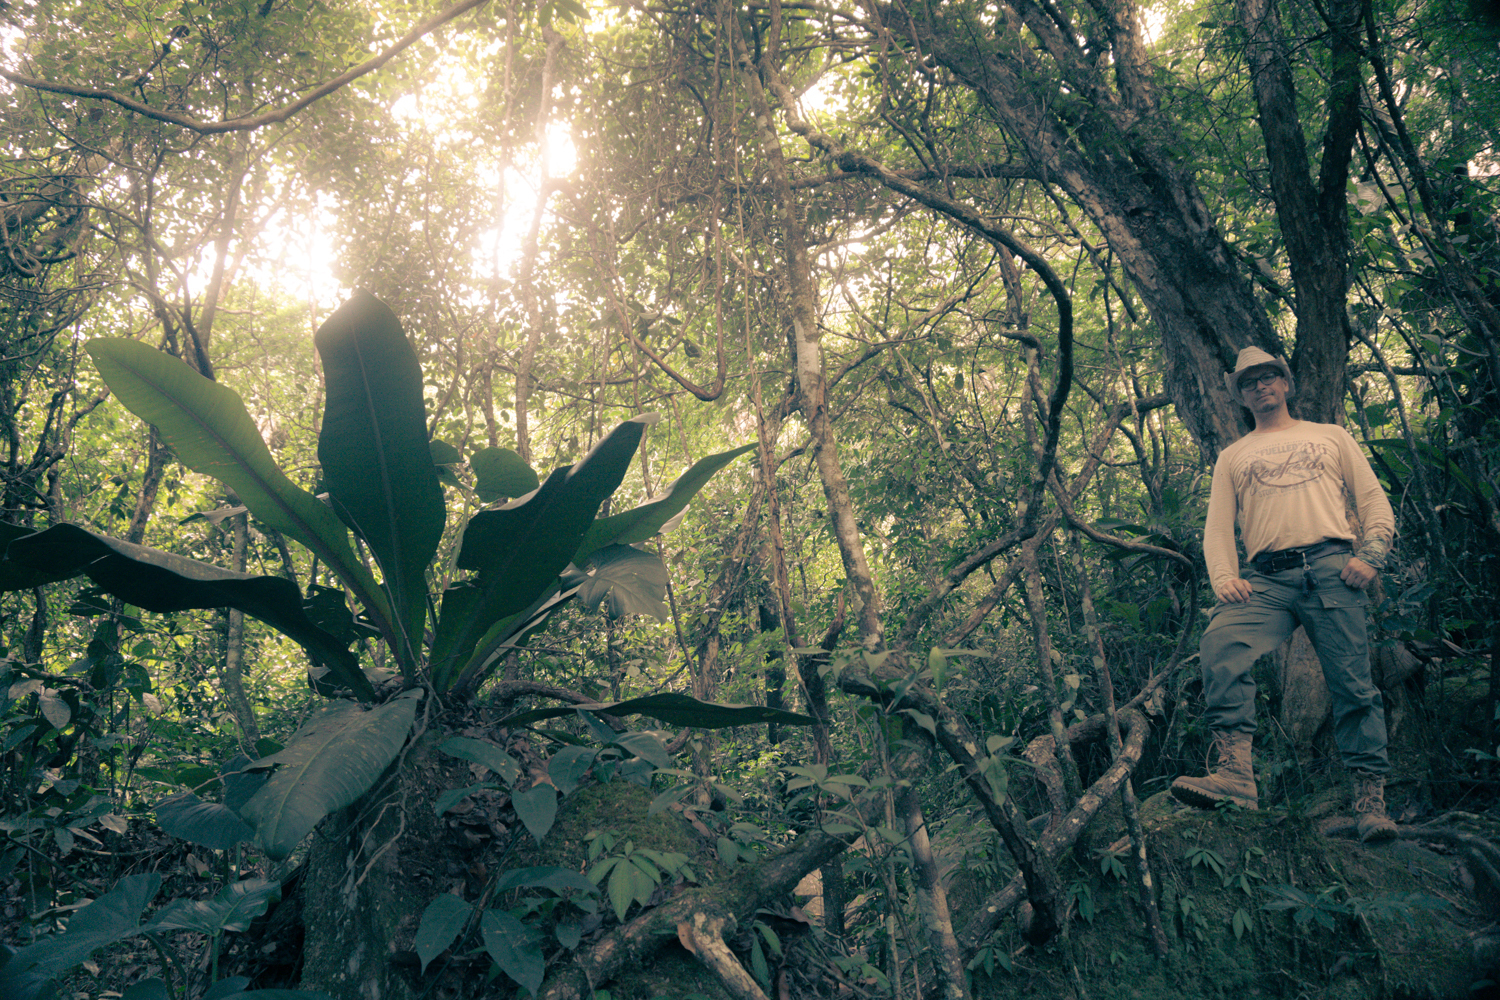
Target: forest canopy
[(502, 496)]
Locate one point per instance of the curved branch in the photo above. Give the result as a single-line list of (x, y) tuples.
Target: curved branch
[(918, 618), (251, 122), (1066, 504), (508, 691), (956, 576), (706, 395), (1064, 834)]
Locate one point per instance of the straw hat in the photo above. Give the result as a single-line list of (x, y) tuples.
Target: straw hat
[(1254, 357)]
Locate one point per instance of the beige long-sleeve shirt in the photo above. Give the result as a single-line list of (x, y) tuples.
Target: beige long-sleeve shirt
[(1286, 489)]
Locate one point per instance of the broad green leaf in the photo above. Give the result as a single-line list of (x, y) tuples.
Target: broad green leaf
[(377, 463), (239, 785), (207, 824), (17, 576), (758, 962), (147, 989), (231, 910), (644, 522), (674, 710), (112, 917), (331, 761), (462, 602), (209, 431), (520, 549), (634, 581), (516, 948), (326, 608), (569, 932), (486, 754), (446, 457), (56, 711), (166, 582), (547, 877), (646, 747), (566, 768), (621, 888), (442, 922), (509, 632), (671, 796), (537, 808), (500, 472)]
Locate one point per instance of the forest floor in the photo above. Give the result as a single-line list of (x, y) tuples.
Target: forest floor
[(1258, 904)]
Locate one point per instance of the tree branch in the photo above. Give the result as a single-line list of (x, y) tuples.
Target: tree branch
[(704, 937), (250, 123)]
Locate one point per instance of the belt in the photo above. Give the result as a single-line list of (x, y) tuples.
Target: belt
[(1285, 559)]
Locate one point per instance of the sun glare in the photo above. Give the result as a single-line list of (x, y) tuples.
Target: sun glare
[(299, 252)]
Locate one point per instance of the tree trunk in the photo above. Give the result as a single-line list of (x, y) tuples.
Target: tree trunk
[(371, 872), (232, 676), (1130, 180), (812, 382), (1313, 217)]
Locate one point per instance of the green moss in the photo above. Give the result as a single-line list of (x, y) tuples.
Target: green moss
[(618, 807)]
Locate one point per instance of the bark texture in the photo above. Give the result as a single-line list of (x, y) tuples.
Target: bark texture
[(1117, 156)]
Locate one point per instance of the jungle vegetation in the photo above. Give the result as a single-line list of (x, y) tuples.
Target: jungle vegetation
[(704, 498)]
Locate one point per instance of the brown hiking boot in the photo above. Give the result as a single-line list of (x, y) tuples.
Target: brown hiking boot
[(1369, 807), (1232, 780)]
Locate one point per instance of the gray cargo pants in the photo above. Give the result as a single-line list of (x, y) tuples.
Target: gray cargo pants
[(1333, 614)]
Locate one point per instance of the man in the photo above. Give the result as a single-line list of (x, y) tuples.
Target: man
[(1284, 484)]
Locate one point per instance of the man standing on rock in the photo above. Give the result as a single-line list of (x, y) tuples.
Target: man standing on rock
[(1284, 484)]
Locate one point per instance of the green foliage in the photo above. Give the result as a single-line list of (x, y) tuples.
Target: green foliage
[(208, 824), (631, 874), (1307, 908), (209, 431), (383, 482), (28, 974), (231, 910), (329, 763), (519, 550), (933, 417), (500, 473), (165, 582), (377, 465)]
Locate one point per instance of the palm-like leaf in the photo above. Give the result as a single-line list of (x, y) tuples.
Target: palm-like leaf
[(643, 522), (329, 763), (165, 582), (377, 463), (18, 576), (673, 709), (521, 548), (634, 582), (207, 427), (500, 472)]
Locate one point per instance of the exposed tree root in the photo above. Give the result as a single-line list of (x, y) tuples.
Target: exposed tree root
[(735, 898), (1063, 835), (1478, 854), (704, 937)]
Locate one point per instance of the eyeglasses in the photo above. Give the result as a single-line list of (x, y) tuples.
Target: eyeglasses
[(1253, 381)]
